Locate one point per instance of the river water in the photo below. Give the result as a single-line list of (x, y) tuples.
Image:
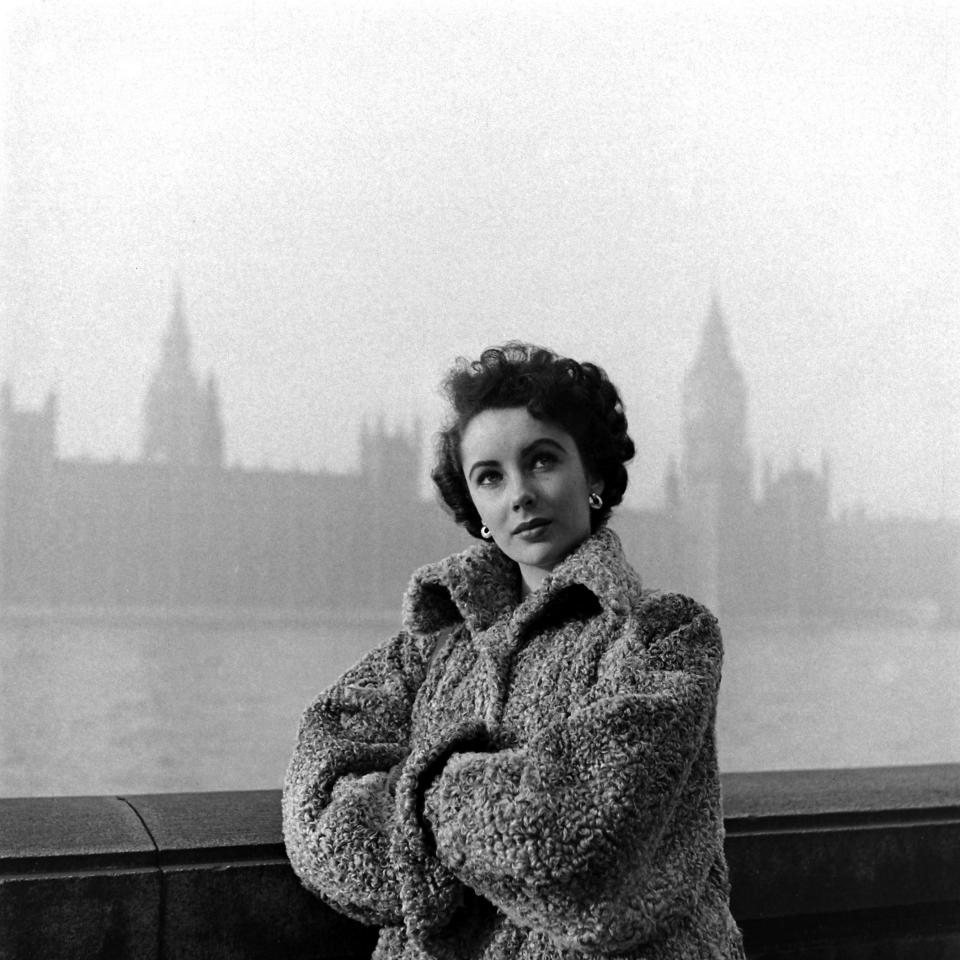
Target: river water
[(94, 709)]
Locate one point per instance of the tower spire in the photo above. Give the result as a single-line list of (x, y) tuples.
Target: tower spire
[(177, 311), (715, 340), (716, 468), (181, 418), (176, 363)]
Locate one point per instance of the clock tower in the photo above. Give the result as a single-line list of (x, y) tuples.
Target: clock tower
[(715, 481)]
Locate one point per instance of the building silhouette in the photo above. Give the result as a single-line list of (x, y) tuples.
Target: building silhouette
[(177, 532), (779, 552)]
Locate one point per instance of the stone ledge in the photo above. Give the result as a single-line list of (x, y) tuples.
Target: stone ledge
[(824, 864), (806, 843)]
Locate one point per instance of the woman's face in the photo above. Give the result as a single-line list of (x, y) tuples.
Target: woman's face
[(529, 486)]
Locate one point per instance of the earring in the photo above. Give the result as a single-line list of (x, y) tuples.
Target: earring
[(595, 500), (485, 532)]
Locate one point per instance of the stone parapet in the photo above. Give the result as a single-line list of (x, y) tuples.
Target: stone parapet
[(856, 864)]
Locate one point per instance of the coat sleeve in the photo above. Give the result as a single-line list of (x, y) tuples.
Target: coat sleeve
[(338, 793), (562, 833)]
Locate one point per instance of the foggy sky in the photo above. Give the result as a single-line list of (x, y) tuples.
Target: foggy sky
[(354, 194)]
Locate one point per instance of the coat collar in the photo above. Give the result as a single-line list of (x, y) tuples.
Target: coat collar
[(481, 584)]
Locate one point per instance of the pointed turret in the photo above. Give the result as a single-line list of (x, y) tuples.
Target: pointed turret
[(182, 423), (714, 349), (714, 404), (211, 436), (390, 459), (716, 469), (28, 438), (177, 360)]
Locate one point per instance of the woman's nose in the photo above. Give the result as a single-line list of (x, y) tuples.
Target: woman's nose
[(522, 495)]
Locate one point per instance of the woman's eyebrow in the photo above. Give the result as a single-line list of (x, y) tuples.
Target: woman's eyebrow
[(482, 463), (549, 441)]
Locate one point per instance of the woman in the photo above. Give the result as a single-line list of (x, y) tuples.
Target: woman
[(528, 770)]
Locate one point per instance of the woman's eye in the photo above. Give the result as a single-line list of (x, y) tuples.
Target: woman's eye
[(543, 460), (487, 477)]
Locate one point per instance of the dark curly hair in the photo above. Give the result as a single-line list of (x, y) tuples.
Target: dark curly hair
[(579, 397)]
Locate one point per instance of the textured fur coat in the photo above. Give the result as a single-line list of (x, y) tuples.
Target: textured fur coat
[(528, 779)]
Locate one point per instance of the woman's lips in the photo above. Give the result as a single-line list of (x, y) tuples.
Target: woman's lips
[(531, 529)]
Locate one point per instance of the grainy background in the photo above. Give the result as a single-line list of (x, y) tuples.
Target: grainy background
[(351, 194)]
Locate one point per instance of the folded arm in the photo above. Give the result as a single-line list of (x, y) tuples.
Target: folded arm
[(338, 796)]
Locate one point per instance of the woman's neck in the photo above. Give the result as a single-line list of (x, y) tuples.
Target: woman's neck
[(530, 579)]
